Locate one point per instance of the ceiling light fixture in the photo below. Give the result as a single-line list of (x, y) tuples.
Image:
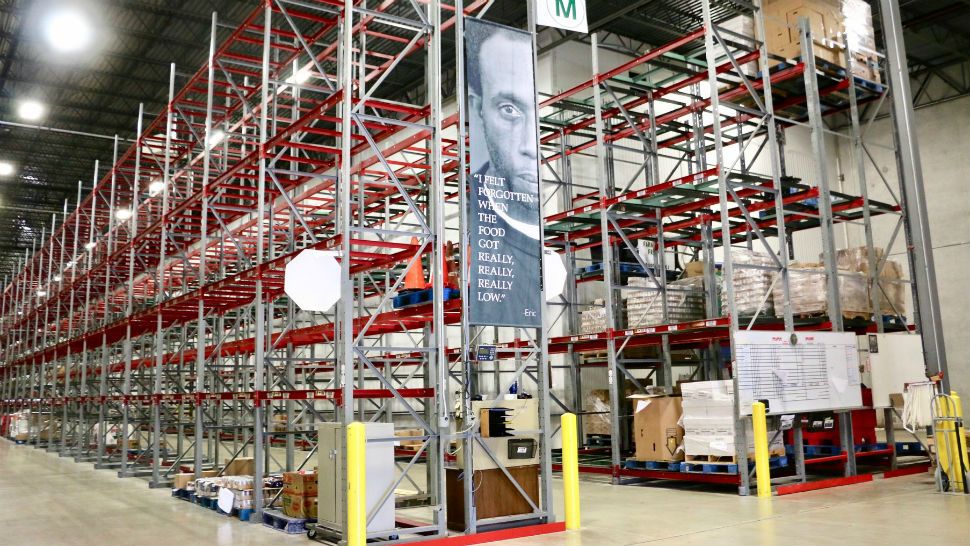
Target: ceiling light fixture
[(123, 215), (6, 168), (31, 110), (57, 278), (155, 187), (216, 137), (41, 293), (68, 31), (90, 246)]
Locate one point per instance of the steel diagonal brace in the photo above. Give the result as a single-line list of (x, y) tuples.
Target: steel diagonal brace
[(753, 225), (304, 45), (387, 385), (500, 466), (292, 206), (629, 244), (391, 174), (386, 72)]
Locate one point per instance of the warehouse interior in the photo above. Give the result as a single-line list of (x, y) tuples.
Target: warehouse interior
[(474, 271)]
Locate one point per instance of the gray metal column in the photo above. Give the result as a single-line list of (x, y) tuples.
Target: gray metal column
[(926, 299)]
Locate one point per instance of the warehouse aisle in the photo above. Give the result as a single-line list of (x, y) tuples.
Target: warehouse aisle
[(48, 500)]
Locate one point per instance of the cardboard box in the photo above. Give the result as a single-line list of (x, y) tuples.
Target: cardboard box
[(240, 466), (656, 429), (182, 480), (299, 506), (405, 433), (301, 483), (825, 19)]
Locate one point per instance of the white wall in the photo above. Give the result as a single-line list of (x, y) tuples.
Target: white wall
[(943, 133)]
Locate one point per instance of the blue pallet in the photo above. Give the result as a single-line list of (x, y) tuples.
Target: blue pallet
[(828, 450), (422, 296), (700, 467), (669, 466), (870, 85), (183, 494), (910, 448), (275, 519)]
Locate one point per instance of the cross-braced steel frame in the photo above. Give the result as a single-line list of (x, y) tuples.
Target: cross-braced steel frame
[(151, 325), (683, 147)]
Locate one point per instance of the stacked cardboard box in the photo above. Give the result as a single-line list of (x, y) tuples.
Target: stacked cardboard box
[(186, 480), (657, 431), (410, 438), (835, 24), (685, 302), (300, 494), (892, 294), (596, 409), (751, 280), (808, 284), (709, 421)]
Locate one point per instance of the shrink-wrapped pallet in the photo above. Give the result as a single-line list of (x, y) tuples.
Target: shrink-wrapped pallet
[(751, 280), (592, 320), (892, 293), (808, 285), (685, 302)]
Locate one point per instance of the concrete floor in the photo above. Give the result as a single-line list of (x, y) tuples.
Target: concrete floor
[(48, 500)]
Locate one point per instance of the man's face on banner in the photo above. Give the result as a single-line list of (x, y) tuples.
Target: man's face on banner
[(507, 109)]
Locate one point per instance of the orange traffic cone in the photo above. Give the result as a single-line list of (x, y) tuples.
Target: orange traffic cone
[(414, 278), (447, 268)]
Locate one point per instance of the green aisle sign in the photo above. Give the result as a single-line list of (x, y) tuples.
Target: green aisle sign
[(564, 14)]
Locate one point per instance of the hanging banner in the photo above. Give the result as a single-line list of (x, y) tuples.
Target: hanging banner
[(503, 187), (564, 14)]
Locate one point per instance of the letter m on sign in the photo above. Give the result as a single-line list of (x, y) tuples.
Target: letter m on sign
[(566, 8)]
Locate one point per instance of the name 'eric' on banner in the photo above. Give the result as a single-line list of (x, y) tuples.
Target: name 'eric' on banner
[(564, 14)]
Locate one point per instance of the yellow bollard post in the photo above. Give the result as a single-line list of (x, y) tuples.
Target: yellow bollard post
[(356, 485), (762, 472), (570, 470), (961, 441)]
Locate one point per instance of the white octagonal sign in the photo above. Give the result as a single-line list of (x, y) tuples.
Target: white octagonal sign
[(553, 274), (312, 280)]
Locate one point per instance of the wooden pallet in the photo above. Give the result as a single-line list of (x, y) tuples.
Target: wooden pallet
[(847, 315), (712, 459)]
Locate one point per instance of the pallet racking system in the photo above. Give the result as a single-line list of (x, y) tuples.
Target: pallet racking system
[(686, 146), (168, 322), (153, 325)]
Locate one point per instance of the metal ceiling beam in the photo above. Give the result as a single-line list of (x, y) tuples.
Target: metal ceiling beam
[(600, 23)]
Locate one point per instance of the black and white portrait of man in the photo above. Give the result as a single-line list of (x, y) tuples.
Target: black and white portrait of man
[(504, 182)]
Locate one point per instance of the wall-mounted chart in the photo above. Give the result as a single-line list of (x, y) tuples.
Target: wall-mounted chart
[(797, 371)]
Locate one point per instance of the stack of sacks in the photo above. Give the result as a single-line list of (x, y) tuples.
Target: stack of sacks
[(685, 302), (892, 296), (808, 285), (751, 284), (709, 420)]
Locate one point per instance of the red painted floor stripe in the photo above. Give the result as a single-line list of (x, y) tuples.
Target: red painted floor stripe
[(822, 484), (495, 536)]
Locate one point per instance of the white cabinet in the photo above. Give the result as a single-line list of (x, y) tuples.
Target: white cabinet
[(332, 502)]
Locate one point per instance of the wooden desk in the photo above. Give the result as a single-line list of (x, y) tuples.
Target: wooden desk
[(494, 494)]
